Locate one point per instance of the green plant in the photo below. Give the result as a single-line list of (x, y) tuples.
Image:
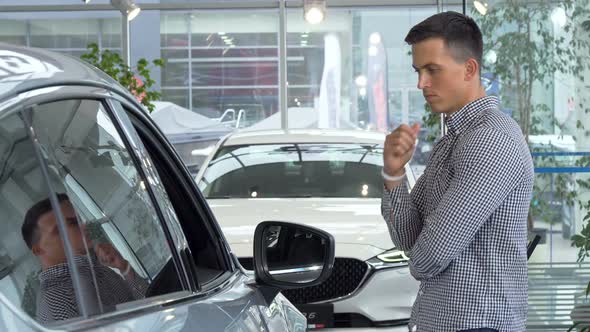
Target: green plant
[(529, 53), (137, 80)]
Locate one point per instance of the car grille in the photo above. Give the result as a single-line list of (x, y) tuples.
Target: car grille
[(346, 277)]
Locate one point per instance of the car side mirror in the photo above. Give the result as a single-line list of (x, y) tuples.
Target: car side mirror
[(288, 255)]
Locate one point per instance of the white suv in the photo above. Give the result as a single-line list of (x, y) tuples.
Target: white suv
[(329, 179)]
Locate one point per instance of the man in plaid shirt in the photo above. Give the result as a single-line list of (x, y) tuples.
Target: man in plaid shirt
[(56, 299), (464, 225)]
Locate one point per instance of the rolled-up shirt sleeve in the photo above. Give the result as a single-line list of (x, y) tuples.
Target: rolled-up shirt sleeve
[(400, 210), (484, 177)]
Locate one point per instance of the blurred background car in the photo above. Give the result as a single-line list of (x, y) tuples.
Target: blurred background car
[(329, 179)]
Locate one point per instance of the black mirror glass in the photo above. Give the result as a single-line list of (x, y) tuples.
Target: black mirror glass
[(294, 254)]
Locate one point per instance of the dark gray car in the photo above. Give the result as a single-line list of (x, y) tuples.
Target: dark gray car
[(103, 228)]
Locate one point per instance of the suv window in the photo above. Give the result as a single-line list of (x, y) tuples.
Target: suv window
[(117, 245)]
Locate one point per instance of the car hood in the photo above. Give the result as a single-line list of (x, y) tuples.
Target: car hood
[(356, 224)]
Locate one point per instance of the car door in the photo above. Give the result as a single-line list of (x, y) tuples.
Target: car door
[(223, 283), (93, 244), (72, 150)]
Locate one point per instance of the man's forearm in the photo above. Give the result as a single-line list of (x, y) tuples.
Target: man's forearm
[(402, 217)]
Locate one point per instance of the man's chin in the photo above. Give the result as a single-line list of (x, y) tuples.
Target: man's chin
[(437, 110)]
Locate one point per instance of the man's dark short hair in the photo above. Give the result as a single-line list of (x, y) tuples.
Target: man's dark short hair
[(29, 228), (459, 32)]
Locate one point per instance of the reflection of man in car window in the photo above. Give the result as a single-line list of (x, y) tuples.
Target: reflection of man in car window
[(56, 299)]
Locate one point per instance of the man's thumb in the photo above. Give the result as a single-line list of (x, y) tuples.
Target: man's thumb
[(416, 128)]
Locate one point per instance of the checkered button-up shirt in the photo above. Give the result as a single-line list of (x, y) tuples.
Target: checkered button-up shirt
[(56, 299), (464, 224)]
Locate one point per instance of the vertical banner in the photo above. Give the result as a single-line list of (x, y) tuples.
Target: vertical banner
[(377, 84), (329, 103)]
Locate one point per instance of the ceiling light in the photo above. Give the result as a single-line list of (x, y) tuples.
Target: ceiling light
[(127, 7), (482, 7), (314, 11), (361, 80), (221, 33), (375, 38)]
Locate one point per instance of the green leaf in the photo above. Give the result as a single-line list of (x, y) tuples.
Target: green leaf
[(578, 240), (114, 66)]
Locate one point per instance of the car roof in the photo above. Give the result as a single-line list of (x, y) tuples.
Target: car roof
[(24, 68), (304, 136)]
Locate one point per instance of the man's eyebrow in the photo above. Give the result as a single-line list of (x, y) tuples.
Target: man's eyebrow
[(426, 65), (72, 219)]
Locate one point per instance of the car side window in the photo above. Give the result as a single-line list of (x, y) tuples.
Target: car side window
[(27, 229), (207, 253), (119, 250)]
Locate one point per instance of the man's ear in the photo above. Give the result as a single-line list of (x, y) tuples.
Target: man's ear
[(471, 69), (36, 249)]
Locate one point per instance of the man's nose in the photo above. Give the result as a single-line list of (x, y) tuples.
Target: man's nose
[(423, 81)]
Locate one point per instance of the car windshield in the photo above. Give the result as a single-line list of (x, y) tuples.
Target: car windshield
[(295, 170)]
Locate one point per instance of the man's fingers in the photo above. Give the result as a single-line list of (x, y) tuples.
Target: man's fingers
[(412, 131), (399, 139), (402, 148)]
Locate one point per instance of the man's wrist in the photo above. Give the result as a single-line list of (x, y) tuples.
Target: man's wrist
[(126, 271), (398, 176), (392, 181)]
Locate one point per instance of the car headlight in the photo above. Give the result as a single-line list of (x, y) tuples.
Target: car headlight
[(389, 259)]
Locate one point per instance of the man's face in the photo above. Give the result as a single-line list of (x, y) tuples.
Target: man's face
[(50, 246), (440, 77)]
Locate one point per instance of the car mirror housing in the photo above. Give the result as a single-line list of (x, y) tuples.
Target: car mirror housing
[(288, 255)]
